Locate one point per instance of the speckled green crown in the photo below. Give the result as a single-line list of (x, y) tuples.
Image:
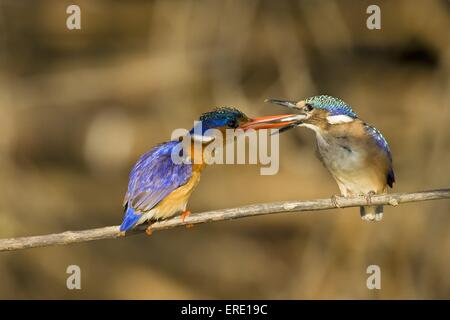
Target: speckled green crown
[(334, 106)]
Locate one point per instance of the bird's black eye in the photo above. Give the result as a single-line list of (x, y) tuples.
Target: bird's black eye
[(308, 107), (232, 123)]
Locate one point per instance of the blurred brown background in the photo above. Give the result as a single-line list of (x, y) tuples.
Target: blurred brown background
[(77, 108)]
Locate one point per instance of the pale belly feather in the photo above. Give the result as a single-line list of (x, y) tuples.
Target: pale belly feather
[(348, 166)]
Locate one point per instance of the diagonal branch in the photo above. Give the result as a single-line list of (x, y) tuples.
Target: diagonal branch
[(69, 237)]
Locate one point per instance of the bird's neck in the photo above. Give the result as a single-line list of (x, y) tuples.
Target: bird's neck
[(196, 152)]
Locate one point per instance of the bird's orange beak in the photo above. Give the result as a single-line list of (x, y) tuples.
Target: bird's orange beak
[(270, 122)]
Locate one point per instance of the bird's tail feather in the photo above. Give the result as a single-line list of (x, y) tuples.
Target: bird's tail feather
[(371, 213), (130, 219)]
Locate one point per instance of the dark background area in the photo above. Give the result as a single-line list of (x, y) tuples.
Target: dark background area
[(78, 107)]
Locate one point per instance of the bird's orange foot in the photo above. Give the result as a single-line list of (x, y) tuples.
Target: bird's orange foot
[(185, 214), (189, 226), (149, 230)]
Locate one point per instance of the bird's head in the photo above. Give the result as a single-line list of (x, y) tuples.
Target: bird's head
[(231, 118), (318, 112)]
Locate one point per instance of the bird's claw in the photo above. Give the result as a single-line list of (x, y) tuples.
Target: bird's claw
[(393, 202), (334, 200), (149, 230), (368, 197)]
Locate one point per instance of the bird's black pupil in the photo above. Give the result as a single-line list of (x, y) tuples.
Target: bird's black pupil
[(308, 107)]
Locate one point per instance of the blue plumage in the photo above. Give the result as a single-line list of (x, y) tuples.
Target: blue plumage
[(333, 105), (382, 144), (153, 178), (130, 219), (220, 117), (379, 139)]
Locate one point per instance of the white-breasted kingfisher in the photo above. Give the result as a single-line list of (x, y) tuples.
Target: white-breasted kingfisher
[(159, 188), (356, 153)]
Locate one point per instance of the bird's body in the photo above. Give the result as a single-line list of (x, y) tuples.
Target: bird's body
[(159, 187), (353, 158), (355, 153)]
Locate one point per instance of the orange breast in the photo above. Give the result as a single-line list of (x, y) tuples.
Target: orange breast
[(177, 200)]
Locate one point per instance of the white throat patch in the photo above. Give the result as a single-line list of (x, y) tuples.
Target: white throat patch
[(339, 119), (310, 126)]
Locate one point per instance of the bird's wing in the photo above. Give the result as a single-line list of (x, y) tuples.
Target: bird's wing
[(154, 177), (382, 143)]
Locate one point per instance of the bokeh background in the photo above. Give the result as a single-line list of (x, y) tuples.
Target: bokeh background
[(78, 107)]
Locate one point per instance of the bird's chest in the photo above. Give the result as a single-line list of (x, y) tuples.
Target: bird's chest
[(347, 159), (341, 155), (177, 200)]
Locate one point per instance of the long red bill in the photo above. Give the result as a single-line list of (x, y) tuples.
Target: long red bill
[(270, 122)]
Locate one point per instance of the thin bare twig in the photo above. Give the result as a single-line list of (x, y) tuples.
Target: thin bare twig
[(69, 237)]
